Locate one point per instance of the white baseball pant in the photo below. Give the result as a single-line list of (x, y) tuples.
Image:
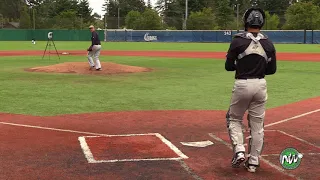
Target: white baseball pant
[(248, 95), (94, 55)]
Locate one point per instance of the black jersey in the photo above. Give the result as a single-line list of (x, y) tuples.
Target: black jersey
[(95, 39), (252, 65)]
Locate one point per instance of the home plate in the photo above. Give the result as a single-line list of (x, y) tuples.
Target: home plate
[(198, 144)]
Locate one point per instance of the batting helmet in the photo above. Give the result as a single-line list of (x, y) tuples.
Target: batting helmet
[(254, 18)]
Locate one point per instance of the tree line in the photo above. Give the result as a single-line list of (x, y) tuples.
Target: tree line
[(47, 14), (167, 14)]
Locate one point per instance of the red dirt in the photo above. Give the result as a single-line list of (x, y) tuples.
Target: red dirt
[(306, 127), (132, 147), (31, 153), (276, 141), (83, 68), (304, 168), (312, 57)]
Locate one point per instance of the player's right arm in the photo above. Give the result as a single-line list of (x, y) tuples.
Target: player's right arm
[(92, 41), (272, 64)]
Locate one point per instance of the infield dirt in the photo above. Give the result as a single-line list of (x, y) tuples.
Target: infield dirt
[(83, 68)]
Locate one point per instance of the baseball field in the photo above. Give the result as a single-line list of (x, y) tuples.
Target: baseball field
[(59, 120)]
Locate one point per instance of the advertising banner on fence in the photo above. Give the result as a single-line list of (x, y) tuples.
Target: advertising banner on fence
[(149, 38)]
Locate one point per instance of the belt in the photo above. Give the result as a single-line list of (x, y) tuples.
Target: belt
[(250, 78)]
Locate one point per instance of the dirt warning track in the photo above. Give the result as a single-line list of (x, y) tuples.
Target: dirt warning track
[(313, 57)]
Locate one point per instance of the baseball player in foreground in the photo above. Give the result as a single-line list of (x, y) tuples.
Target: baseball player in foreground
[(252, 55), (94, 50)]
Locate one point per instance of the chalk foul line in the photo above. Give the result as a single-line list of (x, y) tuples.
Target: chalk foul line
[(52, 129)]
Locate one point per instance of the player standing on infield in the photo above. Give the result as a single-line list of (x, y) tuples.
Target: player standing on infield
[(252, 55)]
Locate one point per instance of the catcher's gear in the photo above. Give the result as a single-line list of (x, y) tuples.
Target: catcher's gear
[(254, 18), (255, 47)]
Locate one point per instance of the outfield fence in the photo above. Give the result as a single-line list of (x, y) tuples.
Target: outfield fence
[(116, 35), (294, 37)]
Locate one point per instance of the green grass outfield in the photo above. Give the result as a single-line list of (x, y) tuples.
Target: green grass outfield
[(218, 47), (200, 84)]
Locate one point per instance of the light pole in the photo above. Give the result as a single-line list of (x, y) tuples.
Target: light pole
[(186, 9), (238, 17), (31, 10), (118, 3), (1, 21), (105, 20), (34, 18), (105, 27), (118, 18), (186, 18), (81, 21)]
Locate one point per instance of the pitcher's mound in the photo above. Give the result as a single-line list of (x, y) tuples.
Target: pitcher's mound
[(83, 68)]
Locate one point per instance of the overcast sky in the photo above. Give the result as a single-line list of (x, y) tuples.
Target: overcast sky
[(97, 5)]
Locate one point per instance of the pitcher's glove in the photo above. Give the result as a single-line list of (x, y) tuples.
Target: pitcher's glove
[(89, 49)]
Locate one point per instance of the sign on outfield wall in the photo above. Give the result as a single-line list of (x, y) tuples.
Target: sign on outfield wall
[(149, 38)]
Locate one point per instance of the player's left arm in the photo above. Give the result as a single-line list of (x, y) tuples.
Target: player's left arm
[(232, 55)]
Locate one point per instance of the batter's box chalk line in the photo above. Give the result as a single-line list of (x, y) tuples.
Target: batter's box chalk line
[(308, 154), (86, 148), (289, 135), (281, 170), (90, 158)]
